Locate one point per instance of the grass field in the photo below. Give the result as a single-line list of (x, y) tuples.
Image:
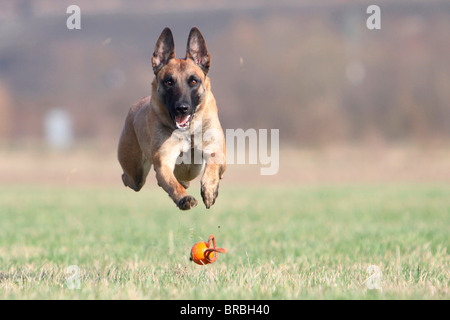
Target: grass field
[(283, 243)]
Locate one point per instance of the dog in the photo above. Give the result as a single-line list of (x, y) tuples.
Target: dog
[(177, 124)]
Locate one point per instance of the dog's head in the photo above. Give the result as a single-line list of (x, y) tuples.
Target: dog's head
[(181, 83)]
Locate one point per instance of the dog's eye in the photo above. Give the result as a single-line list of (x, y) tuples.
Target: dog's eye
[(193, 82), (169, 83)]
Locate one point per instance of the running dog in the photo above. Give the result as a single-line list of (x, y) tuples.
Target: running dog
[(179, 121)]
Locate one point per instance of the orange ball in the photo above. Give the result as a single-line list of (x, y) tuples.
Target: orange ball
[(198, 254)]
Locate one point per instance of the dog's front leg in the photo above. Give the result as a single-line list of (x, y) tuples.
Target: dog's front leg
[(166, 179), (210, 180)]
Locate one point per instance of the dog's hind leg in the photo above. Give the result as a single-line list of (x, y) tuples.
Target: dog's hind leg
[(135, 166), (135, 178)]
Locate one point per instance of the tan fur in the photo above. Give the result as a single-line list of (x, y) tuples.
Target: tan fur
[(149, 138)]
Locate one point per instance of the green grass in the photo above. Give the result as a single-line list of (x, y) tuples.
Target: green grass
[(283, 243)]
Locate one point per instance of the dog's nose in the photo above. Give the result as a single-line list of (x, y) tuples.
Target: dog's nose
[(183, 108)]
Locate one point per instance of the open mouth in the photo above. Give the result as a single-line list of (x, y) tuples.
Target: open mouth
[(183, 122)]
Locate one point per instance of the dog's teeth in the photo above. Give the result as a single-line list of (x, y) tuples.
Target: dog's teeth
[(183, 124)]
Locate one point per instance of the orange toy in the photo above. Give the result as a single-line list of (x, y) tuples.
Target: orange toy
[(202, 253)]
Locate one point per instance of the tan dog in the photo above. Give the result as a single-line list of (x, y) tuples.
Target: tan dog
[(177, 129)]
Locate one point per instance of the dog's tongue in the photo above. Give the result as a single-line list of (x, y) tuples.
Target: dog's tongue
[(181, 120)]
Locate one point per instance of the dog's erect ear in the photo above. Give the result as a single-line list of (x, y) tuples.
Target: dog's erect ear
[(196, 50), (164, 50)]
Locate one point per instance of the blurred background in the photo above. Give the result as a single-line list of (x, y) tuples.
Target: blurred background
[(352, 104)]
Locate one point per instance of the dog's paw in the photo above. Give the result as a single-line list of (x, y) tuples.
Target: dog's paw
[(209, 194), (187, 203)]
